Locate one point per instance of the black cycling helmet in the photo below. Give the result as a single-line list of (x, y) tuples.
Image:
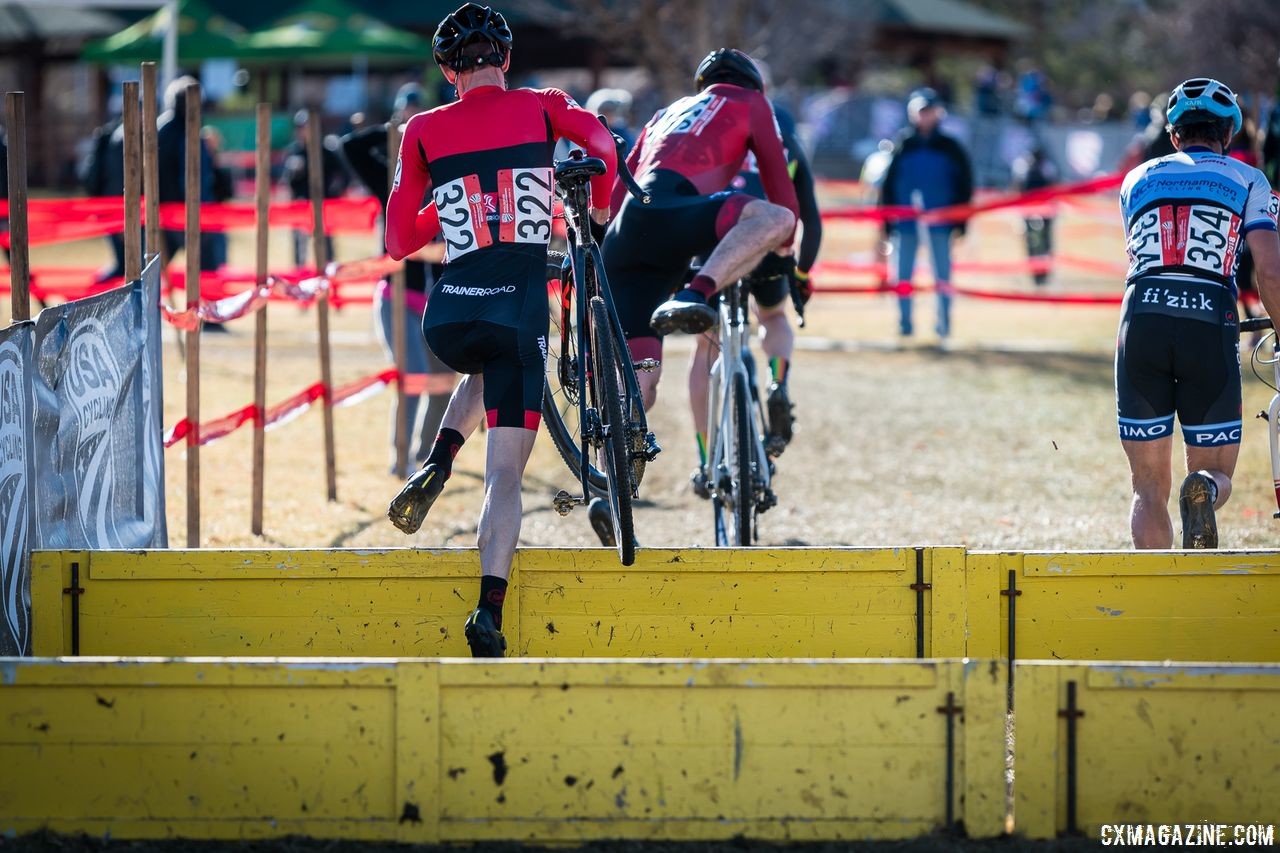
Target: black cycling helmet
[(728, 65), (469, 24)]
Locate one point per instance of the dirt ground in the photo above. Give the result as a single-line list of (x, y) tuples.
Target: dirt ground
[(1006, 440), (66, 844)]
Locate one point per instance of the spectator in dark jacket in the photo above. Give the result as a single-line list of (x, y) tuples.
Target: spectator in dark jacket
[(1036, 170), (298, 178), (929, 170), (171, 158), (102, 174)]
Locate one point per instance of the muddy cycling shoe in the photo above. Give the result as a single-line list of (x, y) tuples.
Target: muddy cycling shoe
[(602, 522), (781, 419), (701, 485), (1196, 499), (686, 312), (483, 636), (409, 508)]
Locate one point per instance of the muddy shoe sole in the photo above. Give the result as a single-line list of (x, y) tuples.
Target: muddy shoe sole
[(1199, 527), (409, 508), (687, 318)]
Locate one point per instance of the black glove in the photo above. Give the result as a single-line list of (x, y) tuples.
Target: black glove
[(802, 285), (597, 232)]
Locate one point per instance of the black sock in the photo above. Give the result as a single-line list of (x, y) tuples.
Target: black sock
[(493, 592), (448, 443)]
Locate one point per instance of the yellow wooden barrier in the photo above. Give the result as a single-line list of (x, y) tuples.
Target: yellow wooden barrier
[(805, 602), (1171, 744), (1154, 606), (557, 751)]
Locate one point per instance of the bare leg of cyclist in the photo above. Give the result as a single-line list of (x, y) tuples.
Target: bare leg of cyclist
[(778, 341), (699, 399), (1206, 488), (500, 516), (1149, 463), (641, 349)]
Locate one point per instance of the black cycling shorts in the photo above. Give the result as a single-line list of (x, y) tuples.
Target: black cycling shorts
[(1178, 352), (649, 246), (488, 315)]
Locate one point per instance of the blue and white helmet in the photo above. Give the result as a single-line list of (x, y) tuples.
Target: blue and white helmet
[(1203, 99)]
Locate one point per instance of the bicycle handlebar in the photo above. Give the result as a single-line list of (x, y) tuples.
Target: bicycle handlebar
[(1256, 324), (624, 173)]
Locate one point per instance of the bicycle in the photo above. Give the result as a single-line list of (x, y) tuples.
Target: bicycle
[(739, 468), (1272, 414), (595, 410)]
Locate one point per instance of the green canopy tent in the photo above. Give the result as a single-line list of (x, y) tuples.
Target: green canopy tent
[(202, 34), (331, 31)]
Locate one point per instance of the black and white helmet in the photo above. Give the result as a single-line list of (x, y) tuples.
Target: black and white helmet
[(471, 23)]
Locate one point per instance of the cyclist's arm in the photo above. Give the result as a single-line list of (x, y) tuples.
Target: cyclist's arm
[(1260, 216), (366, 154), (408, 228), (810, 216), (577, 125), (767, 145)]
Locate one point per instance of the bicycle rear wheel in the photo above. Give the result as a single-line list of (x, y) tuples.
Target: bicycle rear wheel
[(615, 450), (561, 394)]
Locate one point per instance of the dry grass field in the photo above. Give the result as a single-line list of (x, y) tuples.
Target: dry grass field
[(1006, 440)]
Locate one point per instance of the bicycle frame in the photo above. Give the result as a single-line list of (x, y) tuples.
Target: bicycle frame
[(734, 327), (1272, 416)]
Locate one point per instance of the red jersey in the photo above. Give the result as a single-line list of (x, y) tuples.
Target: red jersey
[(486, 160), (705, 137)]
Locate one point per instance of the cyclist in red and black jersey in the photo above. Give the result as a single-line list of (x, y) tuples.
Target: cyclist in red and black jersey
[(684, 158), (486, 161)]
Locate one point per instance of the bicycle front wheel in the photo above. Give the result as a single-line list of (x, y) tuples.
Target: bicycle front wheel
[(741, 467), (615, 450)]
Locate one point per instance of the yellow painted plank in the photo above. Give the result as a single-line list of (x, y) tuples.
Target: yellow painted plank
[(1038, 755), (1132, 564), (50, 633), (946, 603), (417, 762), (719, 560), (267, 564), (984, 615), (1180, 676), (981, 788)]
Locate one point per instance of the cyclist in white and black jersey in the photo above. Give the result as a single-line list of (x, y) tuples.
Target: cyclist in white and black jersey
[(1187, 217)]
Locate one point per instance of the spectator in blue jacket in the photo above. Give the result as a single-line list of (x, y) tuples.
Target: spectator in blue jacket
[(928, 170)]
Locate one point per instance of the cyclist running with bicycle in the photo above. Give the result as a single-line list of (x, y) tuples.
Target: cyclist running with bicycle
[(1185, 215), (685, 158), (486, 161)]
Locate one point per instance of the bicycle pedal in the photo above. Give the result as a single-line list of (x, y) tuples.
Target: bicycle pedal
[(651, 448), (767, 501), (647, 365), (565, 502)]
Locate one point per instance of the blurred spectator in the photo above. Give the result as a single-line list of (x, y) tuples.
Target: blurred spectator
[(213, 244), (928, 170), (102, 174), (1153, 141), (298, 177), (366, 153), (615, 106), (171, 142), (1033, 171), (1271, 144), (1032, 100), (1140, 110), (986, 91)]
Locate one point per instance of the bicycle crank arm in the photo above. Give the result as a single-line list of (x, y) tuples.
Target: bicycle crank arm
[(564, 502)]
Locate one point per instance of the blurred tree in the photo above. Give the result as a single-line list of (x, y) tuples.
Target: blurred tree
[(669, 39)]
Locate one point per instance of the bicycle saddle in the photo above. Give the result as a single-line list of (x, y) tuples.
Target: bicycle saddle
[(579, 170)]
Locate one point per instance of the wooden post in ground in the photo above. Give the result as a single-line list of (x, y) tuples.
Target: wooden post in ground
[(262, 194), (132, 184), (315, 175), (19, 250), (192, 250), (398, 321), (150, 153)]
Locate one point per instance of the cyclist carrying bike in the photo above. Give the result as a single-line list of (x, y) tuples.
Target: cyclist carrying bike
[(1185, 215), (777, 338), (685, 157), (486, 161)]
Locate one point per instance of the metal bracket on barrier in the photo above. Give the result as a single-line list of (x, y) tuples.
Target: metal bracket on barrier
[(919, 587), (1012, 592), (1071, 714), (951, 710), (75, 591)]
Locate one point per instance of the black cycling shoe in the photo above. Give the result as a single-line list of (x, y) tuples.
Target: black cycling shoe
[(409, 508), (701, 485), (483, 636), (602, 522), (686, 312), (1195, 499), (781, 420)]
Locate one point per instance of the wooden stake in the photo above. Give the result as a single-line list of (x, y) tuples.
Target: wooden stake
[(19, 250), (132, 185), (150, 153), (192, 250), (398, 321), (315, 175), (262, 194)]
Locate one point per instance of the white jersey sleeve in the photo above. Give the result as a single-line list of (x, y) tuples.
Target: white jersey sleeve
[(1262, 206)]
